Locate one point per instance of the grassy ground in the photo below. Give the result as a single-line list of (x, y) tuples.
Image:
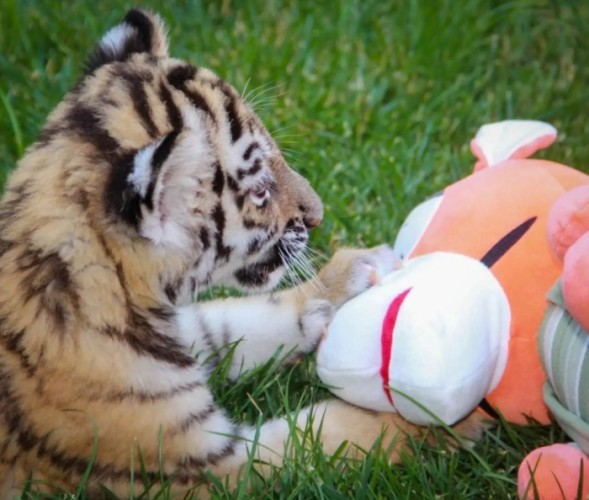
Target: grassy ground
[(375, 102)]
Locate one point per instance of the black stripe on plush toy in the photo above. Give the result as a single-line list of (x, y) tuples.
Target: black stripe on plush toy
[(500, 248), (488, 409)]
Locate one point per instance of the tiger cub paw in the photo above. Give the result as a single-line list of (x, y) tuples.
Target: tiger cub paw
[(316, 316), (472, 428), (353, 271)]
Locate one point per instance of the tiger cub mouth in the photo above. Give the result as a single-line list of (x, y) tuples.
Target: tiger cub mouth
[(279, 257)]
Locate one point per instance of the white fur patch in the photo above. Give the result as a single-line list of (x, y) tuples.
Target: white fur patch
[(164, 232), (191, 119), (177, 191), (141, 174), (114, 40)]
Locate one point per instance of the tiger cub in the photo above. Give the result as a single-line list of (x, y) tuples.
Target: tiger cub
[(150, 182)]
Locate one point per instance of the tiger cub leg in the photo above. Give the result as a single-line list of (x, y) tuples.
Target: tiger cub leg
[(7, 482), (334, 423), (292, 320)]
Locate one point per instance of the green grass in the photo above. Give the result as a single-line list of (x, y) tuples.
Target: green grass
[(375, 102)]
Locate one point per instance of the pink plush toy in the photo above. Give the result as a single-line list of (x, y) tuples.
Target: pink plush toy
[(568, 228), (562, 471)]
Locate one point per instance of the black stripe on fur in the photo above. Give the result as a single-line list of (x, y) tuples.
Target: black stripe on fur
[(120, 199), (178, 78), (172, 110), (249, 150), (160, 155), (86, 122), (253, 170), (223, 251), (145, 396), (233, 117), (218, 180), (135, 82)]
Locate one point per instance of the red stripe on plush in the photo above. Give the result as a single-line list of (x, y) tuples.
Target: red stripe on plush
[(386, 340)]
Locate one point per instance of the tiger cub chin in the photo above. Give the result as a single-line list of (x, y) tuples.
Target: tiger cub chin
[(150, 182)]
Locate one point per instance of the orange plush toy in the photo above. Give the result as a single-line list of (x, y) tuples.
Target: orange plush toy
[(499, 215), (562, 471)]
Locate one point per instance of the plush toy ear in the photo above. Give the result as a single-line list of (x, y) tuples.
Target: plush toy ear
[(415, 226), (510, 139), (139, 31)]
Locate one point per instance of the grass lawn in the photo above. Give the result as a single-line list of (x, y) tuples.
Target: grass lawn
[(375, 102)]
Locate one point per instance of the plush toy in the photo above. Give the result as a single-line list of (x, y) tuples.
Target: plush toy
[(458, 321), (434, 332), (556, 471)]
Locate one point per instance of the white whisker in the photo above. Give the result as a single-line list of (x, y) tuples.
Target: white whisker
[(259, 106), (263, 95), (245, 88), (284, 128), (306, 269), (290, 150), (316, 254), (291, 158), (256, 101), (285, 257), (294, 263), (314, 277)]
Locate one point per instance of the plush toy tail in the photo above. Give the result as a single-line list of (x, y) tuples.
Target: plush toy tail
[(559, 471), (510, 139)]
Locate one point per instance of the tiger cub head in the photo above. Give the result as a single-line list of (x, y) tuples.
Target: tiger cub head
[(176, 161)]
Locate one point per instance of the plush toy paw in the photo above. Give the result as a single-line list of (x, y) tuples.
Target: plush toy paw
[(554, 472)]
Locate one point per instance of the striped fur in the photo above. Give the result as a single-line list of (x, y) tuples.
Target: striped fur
[(150, 182)]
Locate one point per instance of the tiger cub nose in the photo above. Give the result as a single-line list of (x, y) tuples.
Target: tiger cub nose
[(312, 209), (311, 222)]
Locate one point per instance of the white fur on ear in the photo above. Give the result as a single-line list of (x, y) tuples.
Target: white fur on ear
[(114, 40), (139, 32), (179, 190), (140, 177)]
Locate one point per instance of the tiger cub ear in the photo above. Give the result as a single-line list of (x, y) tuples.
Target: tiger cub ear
[(165, 186), (139, 31)]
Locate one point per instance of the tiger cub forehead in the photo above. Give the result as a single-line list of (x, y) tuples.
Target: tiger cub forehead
[(167, 94)]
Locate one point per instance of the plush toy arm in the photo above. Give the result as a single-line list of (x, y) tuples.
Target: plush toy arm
[(568, 232), (568, 220), (510, 139), (575, 281)]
